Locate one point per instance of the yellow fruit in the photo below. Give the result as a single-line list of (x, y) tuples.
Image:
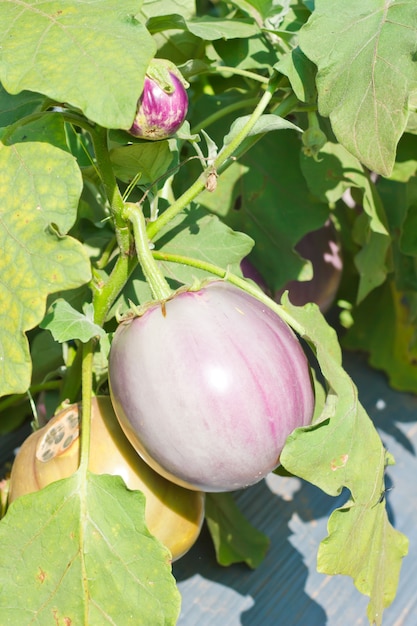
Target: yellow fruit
[(172, 513)]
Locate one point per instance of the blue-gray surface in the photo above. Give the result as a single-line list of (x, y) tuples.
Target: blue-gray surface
[(286, 590)]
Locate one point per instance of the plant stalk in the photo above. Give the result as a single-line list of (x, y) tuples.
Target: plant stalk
[(87, 392), (153, 275)]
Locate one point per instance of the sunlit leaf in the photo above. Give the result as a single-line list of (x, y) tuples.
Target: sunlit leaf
[(331, 454), (367, 97), (60, 49), (82, 552), (66, 323), (39, 195)]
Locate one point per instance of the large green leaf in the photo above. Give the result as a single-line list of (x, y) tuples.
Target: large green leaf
[(85, 557), (39, 194), (88, 53), (49, 128), (332, 454), (365, 54), (151, 160)]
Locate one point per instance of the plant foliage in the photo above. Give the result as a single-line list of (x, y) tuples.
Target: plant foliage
[(299, 111)]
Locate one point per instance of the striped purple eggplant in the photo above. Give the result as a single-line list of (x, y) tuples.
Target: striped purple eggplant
[(208, 385)]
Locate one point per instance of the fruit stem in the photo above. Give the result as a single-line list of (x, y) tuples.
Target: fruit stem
[(153, 275)]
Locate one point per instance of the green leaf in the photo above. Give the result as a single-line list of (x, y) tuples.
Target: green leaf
[(207, 27), (49, 128), (40, 189), (152, 8), (265, 124), (371, 264), (332, 454), (328, 177), (387, 337), (47, 356), (150, 159), (13, 108), (367, 97), (66, 323), (252, 53), (405, 165), (301, 73), (409, 231), (377, 547), (61, 49), (235, 539), (85, 557)]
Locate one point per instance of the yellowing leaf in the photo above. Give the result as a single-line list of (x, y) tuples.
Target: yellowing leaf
[(40, 186), (60, 49)]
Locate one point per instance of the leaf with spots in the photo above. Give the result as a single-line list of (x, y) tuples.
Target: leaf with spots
[(85, 557), (62, 49), (39, 193)]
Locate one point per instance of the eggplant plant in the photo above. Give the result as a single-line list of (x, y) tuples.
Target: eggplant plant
[(146, 150), (237, 383)]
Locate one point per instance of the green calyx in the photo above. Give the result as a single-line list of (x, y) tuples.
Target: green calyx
[(160, 70)]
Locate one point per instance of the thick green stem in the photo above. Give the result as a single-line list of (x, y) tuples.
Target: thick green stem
[(87, 392), (153, 275), (105, 294), (105, 167), (224, 156)]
